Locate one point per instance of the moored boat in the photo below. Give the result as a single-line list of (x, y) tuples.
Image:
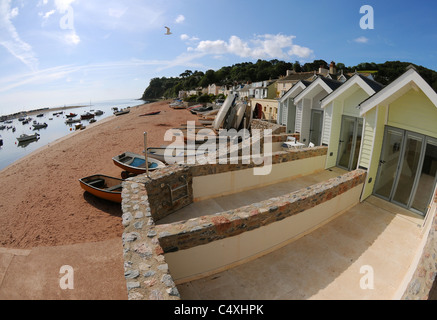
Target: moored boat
[(135, 163), (40, 125), (104, 187), (26, 137), (71, 115), (87, 116)]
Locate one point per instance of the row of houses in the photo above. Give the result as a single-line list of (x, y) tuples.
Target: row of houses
[(389, 131)]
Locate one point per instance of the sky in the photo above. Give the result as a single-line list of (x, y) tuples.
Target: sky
[(57, 52)]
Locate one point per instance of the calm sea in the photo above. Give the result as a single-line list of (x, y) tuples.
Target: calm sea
[(11, 150)]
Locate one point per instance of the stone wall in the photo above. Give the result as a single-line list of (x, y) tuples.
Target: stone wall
[(425, 275), (263, 125), (199, 231)]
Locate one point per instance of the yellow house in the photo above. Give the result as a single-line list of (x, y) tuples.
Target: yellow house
[(399, 148)]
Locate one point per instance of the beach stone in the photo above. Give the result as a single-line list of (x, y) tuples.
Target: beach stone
[(131, 274), (149, 274), (133, 285), (127, 218), (163, 267), (173, 292), (139, 215), (167, 280), (138, 225), (130, 237)]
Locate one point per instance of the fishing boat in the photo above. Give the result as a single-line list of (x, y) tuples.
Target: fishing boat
[(103, 187), (150, 114), (172, 155), (26, 137), (122, 112), (78, 126), (87, 116), (135, 163), (71, 115), (2, 127), (98, 112), (37, 126), (40, 115), (71, 121)]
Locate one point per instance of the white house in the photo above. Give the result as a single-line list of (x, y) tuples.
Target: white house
[(309, 113)]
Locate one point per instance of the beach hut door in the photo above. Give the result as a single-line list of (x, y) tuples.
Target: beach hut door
[(350, 142), (407, 170), (316, 127)]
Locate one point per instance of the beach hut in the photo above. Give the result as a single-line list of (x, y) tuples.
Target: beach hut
[(309, 113), (400, 143), (287, 107), (343, 124)]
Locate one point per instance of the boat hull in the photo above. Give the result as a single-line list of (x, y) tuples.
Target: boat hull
[(103, 187), (135, 163)]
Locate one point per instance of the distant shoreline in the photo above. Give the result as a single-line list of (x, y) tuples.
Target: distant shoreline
[(37, 111)]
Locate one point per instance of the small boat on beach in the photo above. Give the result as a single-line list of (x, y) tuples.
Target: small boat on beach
[(135, 163), (173, 155), (26, 137), (150, 114), (103, 187), (121, 112)]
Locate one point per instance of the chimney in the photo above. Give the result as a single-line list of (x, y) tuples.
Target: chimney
[(332, 68)]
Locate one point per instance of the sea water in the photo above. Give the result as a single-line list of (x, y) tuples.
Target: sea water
[(12, 151)]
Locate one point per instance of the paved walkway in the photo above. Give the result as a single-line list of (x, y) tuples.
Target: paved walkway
[(98, 272), (327, 263)]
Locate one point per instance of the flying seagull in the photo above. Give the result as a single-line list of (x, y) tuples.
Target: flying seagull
[(168, 31)]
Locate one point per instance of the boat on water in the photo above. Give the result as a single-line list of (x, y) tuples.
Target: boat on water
[(122, 112), (104, 187), (40, 115), (98, 112), (71, 121), (135, 163), (150, 114), (37, 126), (2, 127), (87, 116), (26, 137), (1, 141), (71, 115)]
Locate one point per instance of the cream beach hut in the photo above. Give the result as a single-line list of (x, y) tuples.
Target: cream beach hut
[(287, 107), (400, 143), (309, 113), (343, 124)]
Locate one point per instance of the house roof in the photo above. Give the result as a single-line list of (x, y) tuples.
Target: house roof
[(368, 85), (302, 84), (327, 84), (296, 77), (411, 79)]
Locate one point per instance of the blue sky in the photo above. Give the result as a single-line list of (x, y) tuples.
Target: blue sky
[(56, 52)]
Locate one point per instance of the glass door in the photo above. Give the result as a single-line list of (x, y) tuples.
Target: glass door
[(407, 172), (316, 127), (350, 143), (388, 165), (427, 179)]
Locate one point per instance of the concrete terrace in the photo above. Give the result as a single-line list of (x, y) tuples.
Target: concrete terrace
[(326, 263), (233, 201)]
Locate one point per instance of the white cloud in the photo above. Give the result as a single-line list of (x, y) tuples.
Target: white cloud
[(14, 12), (116, 13), (48, 14), (186, 37), (180, 19), (10, 39), (266, 46), (361, 40)]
